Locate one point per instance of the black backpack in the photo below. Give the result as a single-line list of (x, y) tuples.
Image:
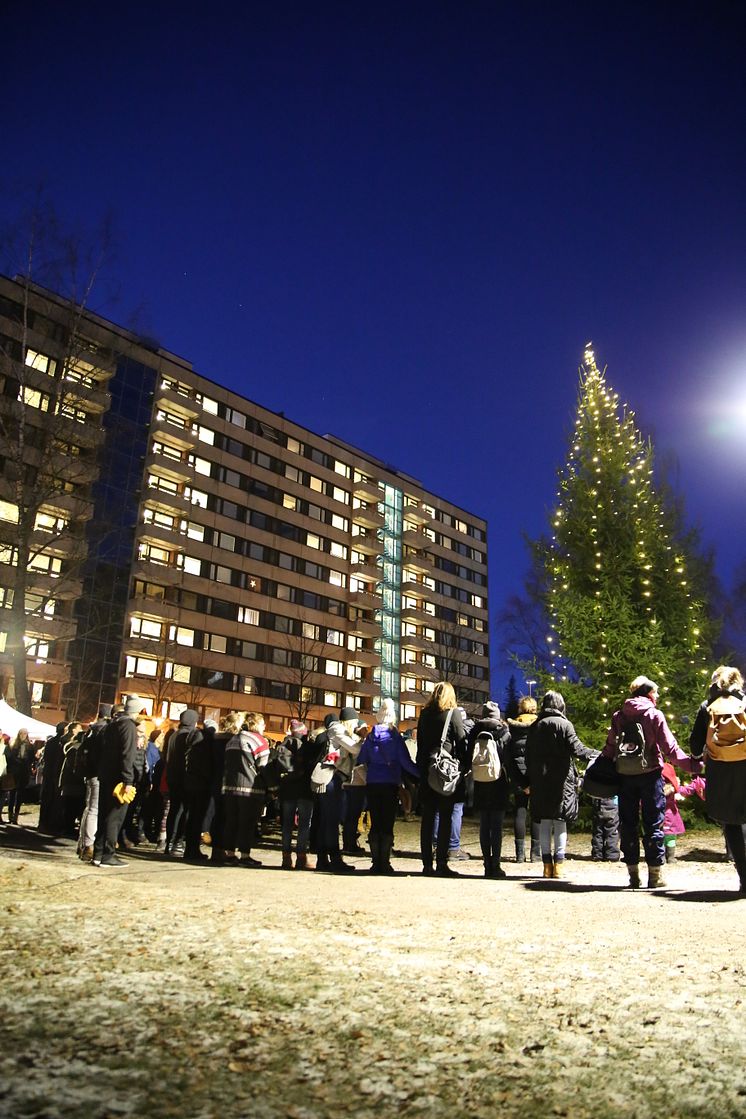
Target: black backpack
[(633, 754)]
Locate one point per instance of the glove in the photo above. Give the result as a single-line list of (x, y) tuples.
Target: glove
[(125, 794)]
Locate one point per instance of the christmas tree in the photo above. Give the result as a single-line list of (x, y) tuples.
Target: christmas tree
[(622, 584)]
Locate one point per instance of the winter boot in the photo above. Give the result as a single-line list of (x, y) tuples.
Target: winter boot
[(670, 852), (655, 877), (385, 847), (634, 876), (287, 860), (374, 842), (337, 865), (497, 870), (549, 868), (535, 852), (558, 871), (322, 861), (520, 852), (301, 861)]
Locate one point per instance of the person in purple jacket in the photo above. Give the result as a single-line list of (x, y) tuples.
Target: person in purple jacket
[(642, 793), (385, 754)]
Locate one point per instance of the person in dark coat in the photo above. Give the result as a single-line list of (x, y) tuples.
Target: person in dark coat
[(197, 783), (430, 728), (491, 797), (515, 754), (296, 798), (49, 799), (179, 745), (116, 771), (18, 758), (725, 781), (551, 746)]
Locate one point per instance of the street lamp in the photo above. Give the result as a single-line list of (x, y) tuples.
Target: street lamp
[(530, 684)]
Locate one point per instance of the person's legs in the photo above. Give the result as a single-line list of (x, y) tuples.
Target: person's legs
[(485, 840), (559, 828), (496, 841), (653, 804), (445, 808), (457, 819), (519, 827), (545, 841), (287, 816), (305, 814), (597, 830), (629, 822), (428, 807), (736, 840)]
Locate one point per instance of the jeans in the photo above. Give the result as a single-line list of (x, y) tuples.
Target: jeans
[(457, 819), (89, 819), (558, 829), (330, 807), (288, 809), (642, 792), (433, 804), (491, 835)]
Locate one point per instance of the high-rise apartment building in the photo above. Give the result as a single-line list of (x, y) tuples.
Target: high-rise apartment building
[(227, 557)]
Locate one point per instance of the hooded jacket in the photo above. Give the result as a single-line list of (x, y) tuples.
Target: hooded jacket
[(245, 754), (551, 745), (491, 794), (641, 709), (386, 755)]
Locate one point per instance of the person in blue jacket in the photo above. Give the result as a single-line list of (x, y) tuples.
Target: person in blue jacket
[(385, 754)]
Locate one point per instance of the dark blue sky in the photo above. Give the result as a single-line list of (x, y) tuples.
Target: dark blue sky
[(400, 223)]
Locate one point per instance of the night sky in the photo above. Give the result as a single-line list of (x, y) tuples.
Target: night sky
[(401, 223)]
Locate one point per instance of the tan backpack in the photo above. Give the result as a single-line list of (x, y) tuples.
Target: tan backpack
[(726, 733)]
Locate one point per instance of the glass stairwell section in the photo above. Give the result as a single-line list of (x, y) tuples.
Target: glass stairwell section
[(389, 616)]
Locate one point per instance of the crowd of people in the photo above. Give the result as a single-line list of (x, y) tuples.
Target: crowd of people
[(116, 787)]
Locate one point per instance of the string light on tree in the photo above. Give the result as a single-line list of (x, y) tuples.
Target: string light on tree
[(622, 581)]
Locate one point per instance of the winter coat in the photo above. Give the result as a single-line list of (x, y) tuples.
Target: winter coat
[(429, 732), (672, 821), (18, 761), (343, 748), (386, 755), (245, 754), (304, 753), (491, 794), (515, 750), (551, 746), (725, 791), (117, 759), (641, 709), (182, 743)]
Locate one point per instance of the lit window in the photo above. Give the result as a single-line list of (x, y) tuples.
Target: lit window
[(145, 627), (248, 616), (51, 564), (182, 635), (333, 668), (181, 673), (409, 711), (195, 531), (295, 446), (316, 484), (196, 497), (477, 600), (335, 637), (332, 699), (338, 550), (289, 502), (42, 362), (9, 512), (151, 554), (313, 540), (140, 666), (201, 465), (210, 405), (34, 399), (341, 495), (215, 643), (310, 631), (340, 522), (191, 565), (226, 541), (337, 579), (341, 468)]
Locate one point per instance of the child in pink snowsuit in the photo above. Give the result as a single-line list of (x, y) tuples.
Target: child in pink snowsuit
[(673, 824)]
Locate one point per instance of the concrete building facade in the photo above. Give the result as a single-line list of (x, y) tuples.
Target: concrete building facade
[(234, 559)]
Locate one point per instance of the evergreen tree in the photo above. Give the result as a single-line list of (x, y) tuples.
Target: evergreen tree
[(510, 705), (621, 582)]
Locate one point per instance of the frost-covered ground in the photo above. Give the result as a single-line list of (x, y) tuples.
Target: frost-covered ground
[(167, 990)]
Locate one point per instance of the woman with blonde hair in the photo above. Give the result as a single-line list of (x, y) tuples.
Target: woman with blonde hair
[(439, 721), (719, 735)]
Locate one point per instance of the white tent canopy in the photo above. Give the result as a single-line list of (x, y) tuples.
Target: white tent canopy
[(12, 721)]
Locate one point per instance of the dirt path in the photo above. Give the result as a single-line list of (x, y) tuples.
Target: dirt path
[(163, 990)]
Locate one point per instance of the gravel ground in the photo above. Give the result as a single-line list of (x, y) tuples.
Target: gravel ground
[(167, 990)]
